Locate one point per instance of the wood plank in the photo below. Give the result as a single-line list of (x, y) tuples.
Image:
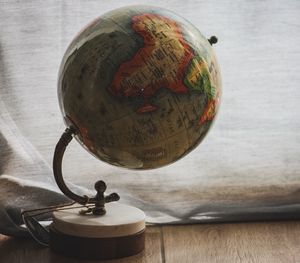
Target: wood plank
[(14, 250), (245, 242)]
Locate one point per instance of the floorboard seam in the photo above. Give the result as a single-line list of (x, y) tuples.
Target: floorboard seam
[(162, 245)]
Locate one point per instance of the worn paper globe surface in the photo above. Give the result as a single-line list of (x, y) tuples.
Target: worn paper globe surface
[(141, 86)]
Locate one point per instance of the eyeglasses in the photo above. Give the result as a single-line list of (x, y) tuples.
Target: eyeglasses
[(39, 231)]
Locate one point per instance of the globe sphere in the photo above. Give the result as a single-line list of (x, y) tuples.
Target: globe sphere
[(141, 87)]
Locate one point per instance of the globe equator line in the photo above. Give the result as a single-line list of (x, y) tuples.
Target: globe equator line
[(126, 115)]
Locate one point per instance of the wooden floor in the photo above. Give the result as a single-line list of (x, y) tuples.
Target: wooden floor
[(245, 242)]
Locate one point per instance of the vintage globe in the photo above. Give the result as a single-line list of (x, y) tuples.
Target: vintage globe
[(141, 87)]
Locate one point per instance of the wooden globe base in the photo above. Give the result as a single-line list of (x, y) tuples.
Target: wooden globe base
[(96, 248), (119, 233)]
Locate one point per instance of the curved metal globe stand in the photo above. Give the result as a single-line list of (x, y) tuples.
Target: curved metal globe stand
[(99, 200)]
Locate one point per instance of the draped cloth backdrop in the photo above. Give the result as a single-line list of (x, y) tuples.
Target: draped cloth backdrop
[(247, 168)]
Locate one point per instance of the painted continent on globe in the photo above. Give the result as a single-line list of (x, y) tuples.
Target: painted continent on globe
[(141, 85)]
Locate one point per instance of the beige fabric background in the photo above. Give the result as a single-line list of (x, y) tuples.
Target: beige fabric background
[(247, 167)]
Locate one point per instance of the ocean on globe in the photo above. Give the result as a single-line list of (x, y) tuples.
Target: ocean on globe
[(141, 87)]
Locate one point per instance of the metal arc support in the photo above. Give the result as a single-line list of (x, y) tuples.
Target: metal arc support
[(99, 199)]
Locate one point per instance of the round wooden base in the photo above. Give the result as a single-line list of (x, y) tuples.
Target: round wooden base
[(119, 233), (96, 248)]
